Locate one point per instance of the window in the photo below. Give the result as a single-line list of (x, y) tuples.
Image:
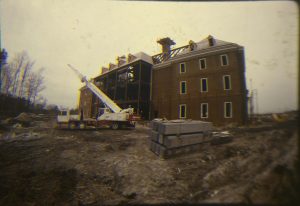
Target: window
[(182, 67), (122, 77), (182, 111), (204, 110), (227, 109), (183, 87), (202, 63), (224, 60), (226, 82), (204, 85)]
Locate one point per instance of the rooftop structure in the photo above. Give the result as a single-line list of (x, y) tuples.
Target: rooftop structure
[(205, 45), (123, 61)]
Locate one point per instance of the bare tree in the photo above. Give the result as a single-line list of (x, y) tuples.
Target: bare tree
[(41, 102), (24, 76), (16, 66), (30, 86), (16, 73), (35, 85), (20, 79), (6, 79)]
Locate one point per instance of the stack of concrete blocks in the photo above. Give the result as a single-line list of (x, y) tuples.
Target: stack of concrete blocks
[(169, 138)]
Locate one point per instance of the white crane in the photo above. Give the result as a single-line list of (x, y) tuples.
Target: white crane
[(103, 97), (113, 115)]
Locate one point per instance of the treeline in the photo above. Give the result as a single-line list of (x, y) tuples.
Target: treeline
[(21, 85), (19, 80)]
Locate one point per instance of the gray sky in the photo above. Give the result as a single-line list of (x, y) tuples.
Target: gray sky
[(90, 34)]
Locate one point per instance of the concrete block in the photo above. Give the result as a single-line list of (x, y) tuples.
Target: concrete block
[(183, 140), (168, 128), (181, 150), (154, 136), (154, 124), (163, 152), (158, 149), (161, 138), (153, 147)]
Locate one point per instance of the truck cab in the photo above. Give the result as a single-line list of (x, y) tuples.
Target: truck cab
[(64, 116)]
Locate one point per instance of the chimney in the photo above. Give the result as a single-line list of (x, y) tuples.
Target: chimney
[(211, 40), (166, 44), (104, 70), (192, 45), (121, 60), (111, 66), (130, 57)]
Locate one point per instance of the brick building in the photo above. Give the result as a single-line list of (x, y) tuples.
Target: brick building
[(201, 81), (204, 80)]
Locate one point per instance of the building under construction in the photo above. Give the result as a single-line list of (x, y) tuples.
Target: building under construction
[(202, 80)]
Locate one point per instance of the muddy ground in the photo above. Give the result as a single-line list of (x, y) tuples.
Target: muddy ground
[(40, 165)]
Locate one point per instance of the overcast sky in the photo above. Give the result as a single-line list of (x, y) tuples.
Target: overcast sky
[(91, 34)]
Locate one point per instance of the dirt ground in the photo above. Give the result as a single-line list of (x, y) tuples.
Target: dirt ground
[(40, 165)]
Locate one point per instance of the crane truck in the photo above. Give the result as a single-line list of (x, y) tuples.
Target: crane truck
[(111, 115)]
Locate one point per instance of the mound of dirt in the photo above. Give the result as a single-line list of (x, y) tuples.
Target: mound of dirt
[(24, 120), (24, 117)]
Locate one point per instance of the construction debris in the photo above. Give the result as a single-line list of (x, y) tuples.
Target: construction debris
[(168, 138), (221, 137), (279, 118), (23, 117), (24, 120)]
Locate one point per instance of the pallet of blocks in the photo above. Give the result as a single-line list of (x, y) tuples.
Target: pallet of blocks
[(168, 138)]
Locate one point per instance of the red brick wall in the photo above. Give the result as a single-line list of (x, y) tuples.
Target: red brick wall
[(166, 96), (85, 102)]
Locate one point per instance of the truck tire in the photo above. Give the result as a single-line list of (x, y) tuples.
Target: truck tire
[(115, 125), (82, 125), (72, 125), (133, 125)]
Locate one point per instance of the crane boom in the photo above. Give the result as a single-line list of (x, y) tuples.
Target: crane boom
[(101, 95)]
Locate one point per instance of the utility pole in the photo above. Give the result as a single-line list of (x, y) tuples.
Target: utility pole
[(256, 101), (251, 101)]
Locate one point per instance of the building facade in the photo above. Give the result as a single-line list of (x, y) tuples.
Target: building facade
[(201, 81), (127, 83)]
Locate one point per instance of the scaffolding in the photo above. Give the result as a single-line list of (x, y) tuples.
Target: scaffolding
[(128, 86)]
